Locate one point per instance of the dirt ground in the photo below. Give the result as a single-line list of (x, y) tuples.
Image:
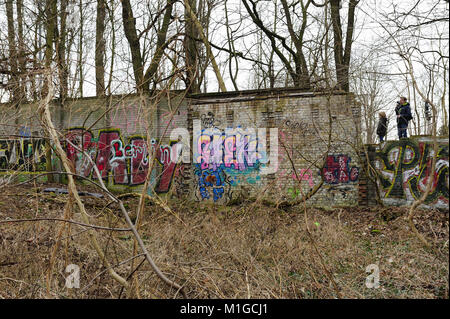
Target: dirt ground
[(243, 251)]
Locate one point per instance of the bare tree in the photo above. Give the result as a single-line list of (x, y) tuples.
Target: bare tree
[(100, 48), (143, 76), (342, 52)]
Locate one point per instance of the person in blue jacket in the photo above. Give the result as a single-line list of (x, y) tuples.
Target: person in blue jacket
[(403, 112)]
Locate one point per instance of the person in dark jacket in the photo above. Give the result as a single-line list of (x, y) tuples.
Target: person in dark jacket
[(382, 126), (403, 112)]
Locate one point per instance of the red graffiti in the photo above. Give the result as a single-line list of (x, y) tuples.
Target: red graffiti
[(128, 164), (336, 170), (164, 157), (117, 145), (81, 139), (139, 160), (118, 165)]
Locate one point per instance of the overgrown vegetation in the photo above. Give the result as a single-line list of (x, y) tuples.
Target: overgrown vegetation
[(241, 251)]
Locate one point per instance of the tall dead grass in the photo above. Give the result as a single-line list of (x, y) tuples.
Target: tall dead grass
[(226, 252)]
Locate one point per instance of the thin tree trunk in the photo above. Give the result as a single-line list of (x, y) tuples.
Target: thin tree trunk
[(209, 53), (61, 53), (100, 49), (80, 52), (113, 44), (21, 47), (13, 82), (190, 47), (129, 26), (342, 54), (50, 25)]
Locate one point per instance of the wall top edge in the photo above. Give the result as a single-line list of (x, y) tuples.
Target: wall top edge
[(215, 96)]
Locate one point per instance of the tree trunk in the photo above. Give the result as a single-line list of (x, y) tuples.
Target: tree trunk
[(342, 54), (160, 45), (50, 25), (129, 26), (190, 47), (61, 53), (100, 49), (14, 82), (21, 55)]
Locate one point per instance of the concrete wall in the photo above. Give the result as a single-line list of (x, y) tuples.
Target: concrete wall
[(316, 133), (404, 169)]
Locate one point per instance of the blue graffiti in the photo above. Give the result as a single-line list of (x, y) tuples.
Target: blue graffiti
[(211, 179), (24, 131)]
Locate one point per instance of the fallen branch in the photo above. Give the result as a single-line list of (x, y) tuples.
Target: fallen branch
[(62, 220), (45, 117), (130, 224)]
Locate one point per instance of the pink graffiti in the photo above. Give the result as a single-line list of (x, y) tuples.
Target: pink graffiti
[(163, 156), (235, 151), (83, 140), (171, 122), (104, 165), (304, 175), (127, 119)]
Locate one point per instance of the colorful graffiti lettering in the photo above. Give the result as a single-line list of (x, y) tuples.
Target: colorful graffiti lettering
[(336, 170), (128, 164), (104, 161), (212, 183), (404, 168), (22, 154), (237, 151), (82, 139), (167, 159), (223, 159)]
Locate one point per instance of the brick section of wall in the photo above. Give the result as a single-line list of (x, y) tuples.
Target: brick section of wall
[(303, 124), (367, 186), (316, 137)]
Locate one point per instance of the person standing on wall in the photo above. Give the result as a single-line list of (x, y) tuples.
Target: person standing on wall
[(403, 112), (382, 126)]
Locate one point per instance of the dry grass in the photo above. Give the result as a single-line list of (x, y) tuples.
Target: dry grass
[(225, 252)]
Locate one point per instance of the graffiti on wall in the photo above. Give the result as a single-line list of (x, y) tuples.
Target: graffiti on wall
[(304, 175), (337, 171), (172, 120), (26, 154), (85, 141), (209, 120), (212, 183), (126, 163), (166, 157), (405, 166), (226, 159), (24, 131), (299, 126), (128, 118)]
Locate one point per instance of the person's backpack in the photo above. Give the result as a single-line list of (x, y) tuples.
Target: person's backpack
[(408, 115)]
